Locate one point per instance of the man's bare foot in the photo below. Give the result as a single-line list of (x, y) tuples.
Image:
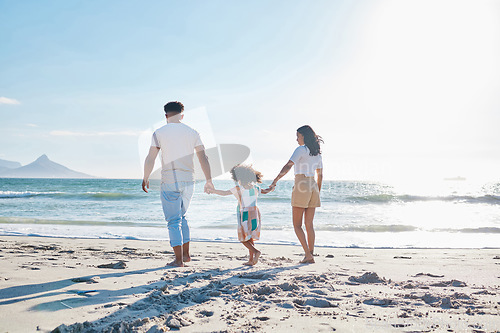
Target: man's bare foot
[(175, 263), (256, 257), (186, 258)]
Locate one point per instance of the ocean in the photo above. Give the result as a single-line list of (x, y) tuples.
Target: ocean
[(445, 214)]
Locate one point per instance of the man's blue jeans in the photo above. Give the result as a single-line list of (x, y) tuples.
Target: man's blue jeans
[(175, 199)]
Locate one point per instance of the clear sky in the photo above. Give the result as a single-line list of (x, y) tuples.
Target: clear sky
[(397, 89)]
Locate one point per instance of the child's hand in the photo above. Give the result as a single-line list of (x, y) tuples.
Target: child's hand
[(269, 189)]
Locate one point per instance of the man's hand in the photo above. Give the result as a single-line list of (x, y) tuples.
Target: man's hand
[(145, 185), (209, 187)]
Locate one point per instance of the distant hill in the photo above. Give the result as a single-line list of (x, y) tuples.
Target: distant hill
[(42, 168), (9, 164)]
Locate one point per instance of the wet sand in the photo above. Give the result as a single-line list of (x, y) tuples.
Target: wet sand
[(97, 285)]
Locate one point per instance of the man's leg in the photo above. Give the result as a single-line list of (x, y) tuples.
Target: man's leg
[(187, 194), (172, 208), (185, 239), (185, 252)]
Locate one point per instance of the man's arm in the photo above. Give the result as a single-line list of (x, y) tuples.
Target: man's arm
[(205, 166), (149, 164)]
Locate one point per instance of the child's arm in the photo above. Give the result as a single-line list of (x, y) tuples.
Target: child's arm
[(267, 190), (221, 192)]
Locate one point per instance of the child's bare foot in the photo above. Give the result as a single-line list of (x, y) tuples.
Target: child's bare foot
[(256, 257), (175, 263)]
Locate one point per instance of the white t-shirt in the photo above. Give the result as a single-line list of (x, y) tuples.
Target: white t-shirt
[(305, 164), (177, 142)]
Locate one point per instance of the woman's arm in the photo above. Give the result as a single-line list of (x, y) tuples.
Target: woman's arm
[(282, 173), (319, 173)]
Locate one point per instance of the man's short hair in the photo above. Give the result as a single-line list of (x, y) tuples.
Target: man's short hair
[(176, 107)]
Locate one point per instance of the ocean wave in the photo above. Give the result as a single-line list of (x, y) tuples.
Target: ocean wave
[(367, 228), (74, 196), (480, 230), (26, 220), (388, 198), (110, 195), (25, 194)]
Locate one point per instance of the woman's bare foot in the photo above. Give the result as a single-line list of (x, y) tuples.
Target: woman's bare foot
[(248, 263), (307, 260), (256, 257), (186, 258), (175, 263)]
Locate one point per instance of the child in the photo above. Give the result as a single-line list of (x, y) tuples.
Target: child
[(246, 192)]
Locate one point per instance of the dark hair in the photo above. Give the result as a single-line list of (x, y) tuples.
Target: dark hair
[(311, 140), (245, 174), (176, 107)]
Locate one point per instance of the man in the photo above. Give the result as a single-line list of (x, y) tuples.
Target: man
[(177, 143)]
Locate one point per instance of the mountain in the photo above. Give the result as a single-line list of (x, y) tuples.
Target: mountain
[(42, 168), (9, 164)]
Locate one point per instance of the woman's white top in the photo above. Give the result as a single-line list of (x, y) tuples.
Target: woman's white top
[(304, 163)]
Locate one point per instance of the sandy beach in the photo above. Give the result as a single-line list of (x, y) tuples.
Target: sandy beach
[(103, 285)]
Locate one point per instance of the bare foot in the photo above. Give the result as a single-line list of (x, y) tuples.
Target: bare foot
[(256, 257), (249, 263), (175, 263), (307, 261), (186, 258)]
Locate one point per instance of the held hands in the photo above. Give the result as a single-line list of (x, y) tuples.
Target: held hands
[(209, 187), (270, 188), (145, 185)]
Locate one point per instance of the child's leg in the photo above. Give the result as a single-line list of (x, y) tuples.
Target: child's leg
[(253, 252), (250, 255), (257, 254)]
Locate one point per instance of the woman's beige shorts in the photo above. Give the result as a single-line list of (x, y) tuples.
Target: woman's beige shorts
[(305, 193)]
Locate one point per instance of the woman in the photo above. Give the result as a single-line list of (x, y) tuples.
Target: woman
[(307, 161)]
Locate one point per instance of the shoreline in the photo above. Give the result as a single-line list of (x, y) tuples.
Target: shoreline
[(46, 282), (260, 243)]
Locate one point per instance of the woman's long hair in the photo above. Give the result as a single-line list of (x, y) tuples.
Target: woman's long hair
[(311, 140)]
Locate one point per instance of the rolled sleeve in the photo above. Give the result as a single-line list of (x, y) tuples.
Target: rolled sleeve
[(297, 154), (154, 141), (197, 140)]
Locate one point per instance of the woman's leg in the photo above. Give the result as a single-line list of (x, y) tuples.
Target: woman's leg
[(308, 222), (297, 214)]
